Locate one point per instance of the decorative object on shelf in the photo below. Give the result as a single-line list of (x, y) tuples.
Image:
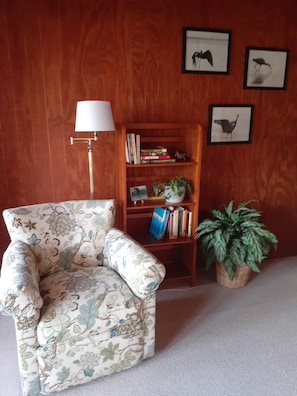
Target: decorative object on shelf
[(181, 156), (235, 237), (92, 116), (206, 50), (265, 68), (174, 190), (138, 193), (230, 124)]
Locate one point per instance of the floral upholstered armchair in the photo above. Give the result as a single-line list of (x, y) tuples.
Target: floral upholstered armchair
[(82, 294)]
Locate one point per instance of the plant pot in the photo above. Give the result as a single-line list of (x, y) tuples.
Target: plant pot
[(174, 197), (241, 277)]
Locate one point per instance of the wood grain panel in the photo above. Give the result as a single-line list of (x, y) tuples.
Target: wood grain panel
[(55, 52)]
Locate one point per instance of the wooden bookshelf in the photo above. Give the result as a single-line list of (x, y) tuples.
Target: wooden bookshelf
[(178, 255)]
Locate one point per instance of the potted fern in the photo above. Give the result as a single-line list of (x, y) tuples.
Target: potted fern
[(173, 190), (236, 241)]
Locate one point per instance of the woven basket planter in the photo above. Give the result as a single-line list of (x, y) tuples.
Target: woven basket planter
[(241, 277)]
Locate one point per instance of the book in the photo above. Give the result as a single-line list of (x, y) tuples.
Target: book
[(127, 153), (159, 222), (154, 157), (189, 225), (158, 161), (137, 149), (131, 147), (184, 231), (169, 222), (153, 150), (173, 231), (180, 210)]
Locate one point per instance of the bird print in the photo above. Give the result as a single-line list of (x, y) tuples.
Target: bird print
[(227, 126), (259, 62), (197, 56)]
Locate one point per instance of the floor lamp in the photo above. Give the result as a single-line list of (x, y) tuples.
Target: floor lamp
[(92, 116)]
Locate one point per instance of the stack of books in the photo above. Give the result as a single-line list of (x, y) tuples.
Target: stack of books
[(155, 155), (171, 222), (137, 155)]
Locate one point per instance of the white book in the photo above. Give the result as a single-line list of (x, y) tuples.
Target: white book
[(131, 147), (189, 233), (175, 223)]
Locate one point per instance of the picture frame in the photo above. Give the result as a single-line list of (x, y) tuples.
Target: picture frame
[(265, 68), (206, 51), (230, 123), (138, 193)]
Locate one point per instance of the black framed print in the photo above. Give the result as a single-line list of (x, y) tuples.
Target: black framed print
[(230, 124), (206, 50), (265, 68)]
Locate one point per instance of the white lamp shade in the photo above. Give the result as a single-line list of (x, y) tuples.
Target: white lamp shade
[(93, 116)]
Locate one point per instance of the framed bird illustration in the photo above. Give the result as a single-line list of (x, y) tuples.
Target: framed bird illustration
[(206, 51), (230, 124), (265, 68)]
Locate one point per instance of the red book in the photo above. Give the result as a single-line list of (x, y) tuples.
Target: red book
[(155, 157)]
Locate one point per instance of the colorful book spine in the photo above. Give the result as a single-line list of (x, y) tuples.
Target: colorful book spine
[(154, 151), (189, 227), (174, 225), (180, 211), (130, 141), (184, 232), (179, 223), (159, 222), (158, 161), (155, 157), (137, 137), (127, 153)]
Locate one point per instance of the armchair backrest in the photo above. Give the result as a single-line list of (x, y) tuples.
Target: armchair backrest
[(62, 233)]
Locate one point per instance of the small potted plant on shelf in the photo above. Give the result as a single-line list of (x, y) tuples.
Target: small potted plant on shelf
[(174, 190), (236, 241)]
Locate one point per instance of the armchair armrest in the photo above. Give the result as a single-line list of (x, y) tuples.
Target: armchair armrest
[(19, 282), (137, 266)]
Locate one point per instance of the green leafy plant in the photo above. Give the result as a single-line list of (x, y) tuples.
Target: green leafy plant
[(233, 236), (177, 185)]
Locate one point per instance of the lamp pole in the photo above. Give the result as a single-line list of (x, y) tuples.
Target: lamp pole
[(90, 158)]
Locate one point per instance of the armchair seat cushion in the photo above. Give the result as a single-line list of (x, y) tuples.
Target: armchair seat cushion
[(83, 301), (91, 325)]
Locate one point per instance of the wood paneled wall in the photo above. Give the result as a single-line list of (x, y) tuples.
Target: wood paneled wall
[(55, 52)]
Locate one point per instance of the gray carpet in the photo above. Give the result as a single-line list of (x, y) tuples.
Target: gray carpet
[(211, 341)]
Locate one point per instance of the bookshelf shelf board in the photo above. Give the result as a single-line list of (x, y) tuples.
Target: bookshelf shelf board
[(149, 240), (168, 164), (139, 208)]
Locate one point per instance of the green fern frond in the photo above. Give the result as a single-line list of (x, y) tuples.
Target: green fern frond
[(245, 203), (230, 268), (229, 208), (217, 214), (207, 226)]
